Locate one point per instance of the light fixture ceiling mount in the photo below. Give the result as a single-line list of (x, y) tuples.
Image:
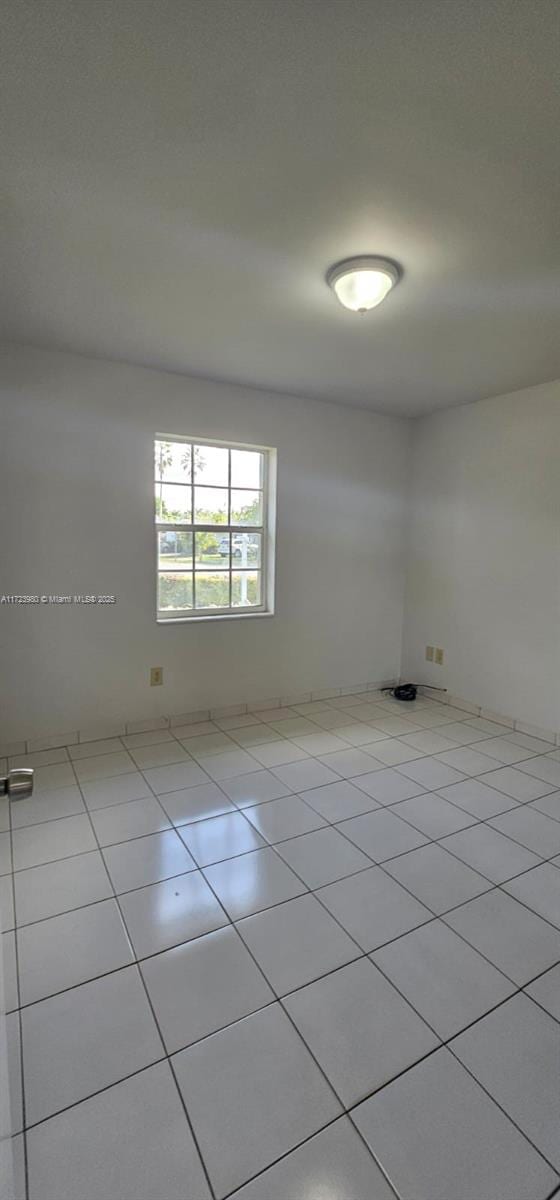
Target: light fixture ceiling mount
[(362, 283)]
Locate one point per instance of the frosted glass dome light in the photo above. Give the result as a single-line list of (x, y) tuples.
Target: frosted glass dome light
[(362, 283)]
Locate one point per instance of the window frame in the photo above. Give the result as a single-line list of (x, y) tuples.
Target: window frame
[(266, 530)]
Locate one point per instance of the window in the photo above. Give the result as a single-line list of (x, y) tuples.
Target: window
[(214, 528)]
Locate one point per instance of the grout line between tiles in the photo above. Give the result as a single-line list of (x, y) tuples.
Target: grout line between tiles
[(281, 1157), (501, 1108), (346, 1114), (20, 1020)]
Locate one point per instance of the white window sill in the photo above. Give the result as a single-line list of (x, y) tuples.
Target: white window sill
[(218, 617)]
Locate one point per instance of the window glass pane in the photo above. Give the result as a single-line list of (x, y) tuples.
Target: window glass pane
[(173, 502), (212, 589), (175, 591), (211, 465), (246, 469), (211, 550), (210, 506), (175, 548), (173, 461), (246, 549), (245, 589), (246, 508)]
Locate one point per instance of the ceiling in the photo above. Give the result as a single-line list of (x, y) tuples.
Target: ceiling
[(179, 174)]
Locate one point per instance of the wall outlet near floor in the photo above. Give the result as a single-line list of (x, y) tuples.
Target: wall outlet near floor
[(429, 653), (156, 676), (438, 656)]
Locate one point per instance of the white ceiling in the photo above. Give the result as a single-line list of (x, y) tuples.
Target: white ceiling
[(180, 173)]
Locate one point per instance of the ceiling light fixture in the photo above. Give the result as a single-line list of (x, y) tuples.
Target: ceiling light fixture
[(362, 283)]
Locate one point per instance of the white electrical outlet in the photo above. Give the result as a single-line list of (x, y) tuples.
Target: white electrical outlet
[(429, 653), (438, 656)]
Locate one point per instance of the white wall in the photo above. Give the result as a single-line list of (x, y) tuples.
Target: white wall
[(76, 461), (483, 577)]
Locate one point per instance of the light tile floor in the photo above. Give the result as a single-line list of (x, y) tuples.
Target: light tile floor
[(286, 955)]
